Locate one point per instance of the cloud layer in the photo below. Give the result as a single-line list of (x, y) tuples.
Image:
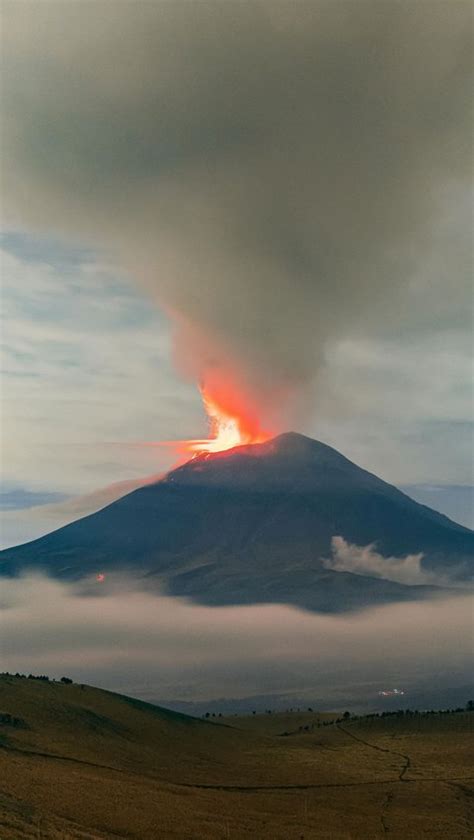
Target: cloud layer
[(86, 373), (276, 176), (114, 635)]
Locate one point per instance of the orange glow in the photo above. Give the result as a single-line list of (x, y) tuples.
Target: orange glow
[(230, 424)]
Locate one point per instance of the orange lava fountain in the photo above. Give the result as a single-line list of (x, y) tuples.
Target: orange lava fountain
[(230, 425)]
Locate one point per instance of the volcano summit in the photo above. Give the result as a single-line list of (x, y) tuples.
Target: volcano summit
[(258, 524)]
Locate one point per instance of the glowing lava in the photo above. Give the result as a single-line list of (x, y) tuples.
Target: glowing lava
[(230, 425)]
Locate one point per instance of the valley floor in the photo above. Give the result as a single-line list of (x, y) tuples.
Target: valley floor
[(84, 764)]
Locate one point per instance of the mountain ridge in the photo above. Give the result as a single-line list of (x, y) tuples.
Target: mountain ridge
[(291, 445)]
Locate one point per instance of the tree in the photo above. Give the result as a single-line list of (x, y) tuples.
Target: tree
[(66, 680), (346, 715)]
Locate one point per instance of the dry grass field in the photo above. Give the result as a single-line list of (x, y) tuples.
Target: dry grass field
[(84, 764)]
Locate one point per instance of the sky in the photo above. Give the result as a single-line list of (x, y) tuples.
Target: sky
[(87, 373), (88, 376), (269, 200)]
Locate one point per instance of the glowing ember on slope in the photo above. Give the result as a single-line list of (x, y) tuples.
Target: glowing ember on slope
[(230, 425)]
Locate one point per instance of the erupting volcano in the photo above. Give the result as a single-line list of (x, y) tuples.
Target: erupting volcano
[(256, 524), (230, 423)]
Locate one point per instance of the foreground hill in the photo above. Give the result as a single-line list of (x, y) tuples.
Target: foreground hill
[(78, 763), (255, 524)]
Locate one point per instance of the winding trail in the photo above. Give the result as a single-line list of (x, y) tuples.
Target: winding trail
[(406, 758), (235, 787), (383, 813), (401, 776)]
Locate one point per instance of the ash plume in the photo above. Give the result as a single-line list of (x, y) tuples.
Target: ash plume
[(275, 175)]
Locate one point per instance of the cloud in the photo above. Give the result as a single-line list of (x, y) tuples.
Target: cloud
[(20, 526), (14, 498), (115, 635), (456, 501), (364, 560), (86, 373), (87, 370), (277, 177)]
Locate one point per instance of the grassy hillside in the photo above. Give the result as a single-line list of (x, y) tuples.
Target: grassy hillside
[(281, 723), (78, 763)]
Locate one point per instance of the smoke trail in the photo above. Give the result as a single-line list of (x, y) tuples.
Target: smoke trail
[(275, 175)]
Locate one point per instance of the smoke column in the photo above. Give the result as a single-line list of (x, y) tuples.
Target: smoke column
[(273, 174)]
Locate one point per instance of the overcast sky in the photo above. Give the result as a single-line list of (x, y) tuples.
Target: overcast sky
[(271, 194), (88, 374)]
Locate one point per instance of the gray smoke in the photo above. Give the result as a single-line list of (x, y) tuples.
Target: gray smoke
[(276, 175), (366, 561)]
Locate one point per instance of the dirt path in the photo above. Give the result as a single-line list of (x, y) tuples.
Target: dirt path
[(237, 788), (401, 776), (406, 758)]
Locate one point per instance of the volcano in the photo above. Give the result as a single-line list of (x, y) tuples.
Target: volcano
[(256, 524)]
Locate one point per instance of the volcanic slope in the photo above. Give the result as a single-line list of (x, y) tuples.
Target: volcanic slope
[(252, 525), (78, 763)]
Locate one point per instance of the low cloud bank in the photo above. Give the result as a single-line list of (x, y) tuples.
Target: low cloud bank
[(364, 560), (114, 635)]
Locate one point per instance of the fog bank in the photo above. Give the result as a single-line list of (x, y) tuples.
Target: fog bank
[(115, 636)]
